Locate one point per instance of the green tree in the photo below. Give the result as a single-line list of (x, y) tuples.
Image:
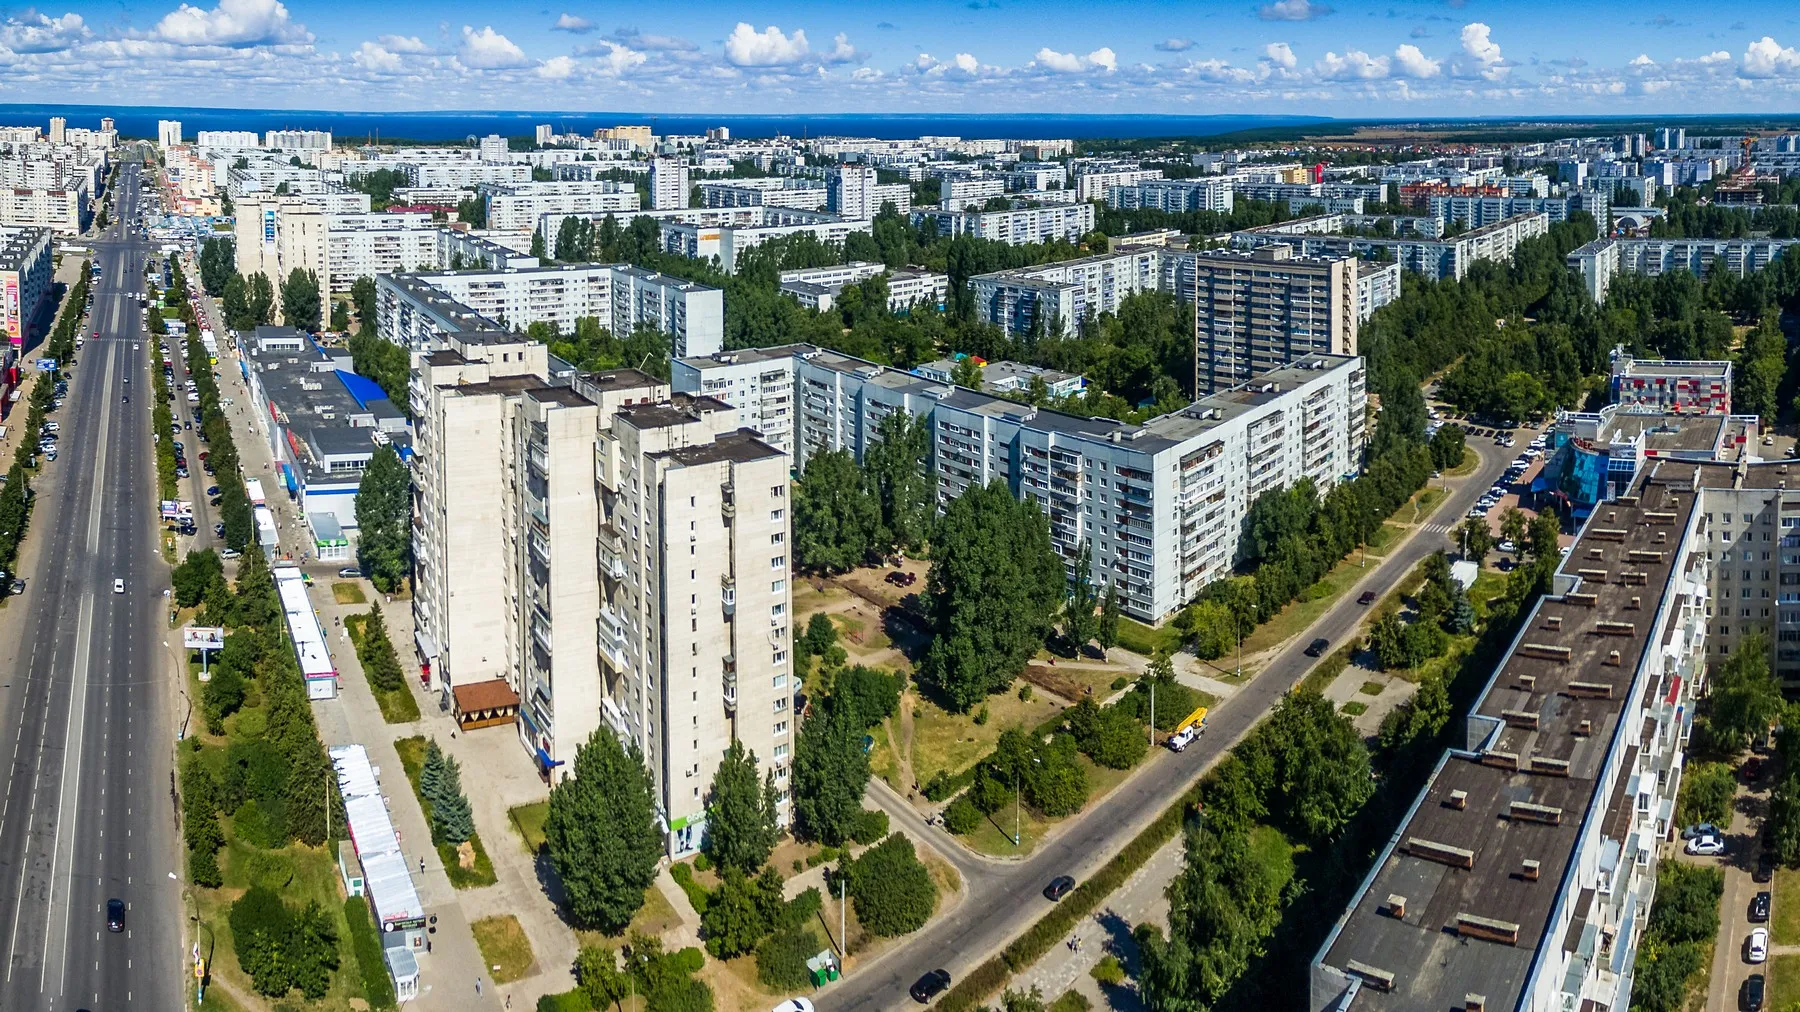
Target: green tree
[(994, 584), (967, 373), (1109, 735), (196, 576), (830, 772), (1108, 631), (384, 514), (537, 246), (1476, 539), (362, 296), (733, 920), (340, 316), (1447, 447), (893, 892), (260, 293), (601, 833), (1745, 698), (235, 304), (1784, 820), (451, 819), (1707, 790), (598, 974), (301, 301), (1317, 764), (903, 485), (1513, 525), (836, 520), (1080, 623), (741, 822)]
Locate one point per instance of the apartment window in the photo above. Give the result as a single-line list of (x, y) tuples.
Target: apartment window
[(777, 586), (780, 657), (776, 538), (781, 704), (781, 751), (1747, 555), (780, 728), (778, 492), (776, 515), (778, 562), (777, 610), (692, 502), (1727, 517)]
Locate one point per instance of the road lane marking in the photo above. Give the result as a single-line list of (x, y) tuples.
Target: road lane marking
[(67, 812)]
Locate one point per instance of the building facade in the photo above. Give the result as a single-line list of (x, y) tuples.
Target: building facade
[(1260, 310)]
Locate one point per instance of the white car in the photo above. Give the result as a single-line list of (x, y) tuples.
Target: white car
[(1705, 846), (1507, 546), (118, 586), (1756, 949)]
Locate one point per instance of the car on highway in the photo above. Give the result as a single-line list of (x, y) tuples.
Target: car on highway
[(1705, 846), (1317, 647), (1756, 947), (1759, 907), (1366, 598), (930, 986), (1752, 994), (118, 586), (1058, 887), (115, 915)]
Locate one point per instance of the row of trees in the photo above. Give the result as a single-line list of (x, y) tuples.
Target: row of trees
[(218, 262), (265, 777), (234, 503), (384, 516), (440, 785), (846, 515)]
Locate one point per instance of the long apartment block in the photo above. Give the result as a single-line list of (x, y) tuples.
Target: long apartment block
[(1322, 235), (611, 555), (416, 310), (1160, 503), (1525, 871), (1602, 260)]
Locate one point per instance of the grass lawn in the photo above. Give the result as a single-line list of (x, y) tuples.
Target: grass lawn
[(656, 916), (528, 821), (1467, 465), (1423, 505), (504, 947), (397, 705), (1784, 982), (1354, 709), (884, 762), (858, 634), (953, 741), (994, 835), (1142, 639), (1314, 601), (1784, 921), (1383, 539), (1371, 688), (412, 757), (348, 593)]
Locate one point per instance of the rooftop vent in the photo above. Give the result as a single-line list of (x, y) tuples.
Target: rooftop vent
[(1504, 932), (1528, 869), (1553, 622), (1616, 628), (1527, 719), (1613, 658), (1395, 907), (1442, 853), (1546, 651), (1458, 800), (1590, 690), (1585, 728), (1529, 812), (1528, 683), (1473, 1002), (1375, 977), (1552, 767)]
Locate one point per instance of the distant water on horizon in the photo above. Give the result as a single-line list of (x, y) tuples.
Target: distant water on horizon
[(140, 121)]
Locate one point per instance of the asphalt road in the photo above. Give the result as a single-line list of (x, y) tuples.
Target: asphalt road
[(1005, 899), (88, 807)]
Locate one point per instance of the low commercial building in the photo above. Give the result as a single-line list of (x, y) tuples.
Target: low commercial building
[(323, 423), (1602, 260), (1673, 386), (1523, 873), (726, 242), (1019, 226), (1161, 503), (416, 310)]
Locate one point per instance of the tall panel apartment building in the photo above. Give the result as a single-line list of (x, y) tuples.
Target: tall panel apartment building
[(668, 184), (1161, 503), (1258, 311), (614, 555), (1525, 870), (852, 191)]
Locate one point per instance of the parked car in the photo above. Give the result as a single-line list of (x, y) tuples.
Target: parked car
[(1700, 829), (1058, 888), (930, 986), (1317, 647), (1756, 947), (1759, 907), (1705, 846), (1366, 598), (1753, 993), (349, 573)]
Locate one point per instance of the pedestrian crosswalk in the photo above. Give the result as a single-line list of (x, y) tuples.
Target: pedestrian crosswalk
[(1437, 528)]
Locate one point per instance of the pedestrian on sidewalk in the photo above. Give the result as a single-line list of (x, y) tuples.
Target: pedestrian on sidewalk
[(477, 987), (421, 864)]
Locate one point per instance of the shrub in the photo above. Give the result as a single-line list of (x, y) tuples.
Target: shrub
[(981, 715), (781, 959), (696, 893), (893, 892), (869, 827), (702, 862), (1025, 693), (568, 1001), (1120, 682), (377, 985), (962, 817), (203, 868), (1108, 972)]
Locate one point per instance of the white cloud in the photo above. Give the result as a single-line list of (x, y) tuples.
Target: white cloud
[(617, 59), (556, 68), (1641, 60), (1175, 45), (1292, 10), (567, 22), (746, 47), (234, 23), (1714, 58), (1070, 63), (1482, 53), (1216, 71), (842, 51), (489, 50), (32, 32), (966, 63), (377, 59), (1410, 62), (1353, 65), (1281, 55), (652, 43), (403, 44), (1766, 58), (867, 74)]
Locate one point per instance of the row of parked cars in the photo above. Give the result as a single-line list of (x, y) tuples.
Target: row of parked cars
[(1510, 477)]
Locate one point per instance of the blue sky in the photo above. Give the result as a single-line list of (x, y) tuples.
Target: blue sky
[(1399, 58)]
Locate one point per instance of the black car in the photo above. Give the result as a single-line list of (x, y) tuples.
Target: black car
[(1317, 647), (1367, 597), (931, 985), (1765, 868), (1759, 908), (1058, 888), (219, 530), (1753, 993), (115, 915)]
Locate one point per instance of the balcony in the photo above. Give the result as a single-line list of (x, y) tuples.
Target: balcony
[(612, 637), (728, 594), (540, 548), (730, 687), (612, 555), (538, 458)]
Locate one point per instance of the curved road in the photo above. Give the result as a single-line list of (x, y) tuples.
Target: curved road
[(1003, 900), (85, 709)]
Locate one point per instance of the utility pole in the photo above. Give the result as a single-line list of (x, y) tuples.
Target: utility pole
[(1017, 784)]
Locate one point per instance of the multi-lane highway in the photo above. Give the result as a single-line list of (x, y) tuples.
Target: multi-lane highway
[(1004, 899), (85, 696)]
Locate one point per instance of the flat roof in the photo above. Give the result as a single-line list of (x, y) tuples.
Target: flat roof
[(1668, 433), (1433, 964), (738, 447), (321, 412), (1660, 367)]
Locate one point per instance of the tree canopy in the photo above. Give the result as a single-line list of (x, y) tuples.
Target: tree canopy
[(601, 833)]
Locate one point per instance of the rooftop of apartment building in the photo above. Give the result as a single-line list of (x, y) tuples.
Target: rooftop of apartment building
[(1679, 367), (1156, 434), (443, 306), (1458, 867), (1035, 273), (1667, 433), (16, 243), (740, 447), (680, 410), (330, 411), (423, 278)]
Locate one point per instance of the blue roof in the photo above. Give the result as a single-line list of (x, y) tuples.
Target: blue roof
[(362, 388)]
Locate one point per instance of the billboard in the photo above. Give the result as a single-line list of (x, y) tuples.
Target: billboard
[(268, 224), (14, 331), (202, 637)]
